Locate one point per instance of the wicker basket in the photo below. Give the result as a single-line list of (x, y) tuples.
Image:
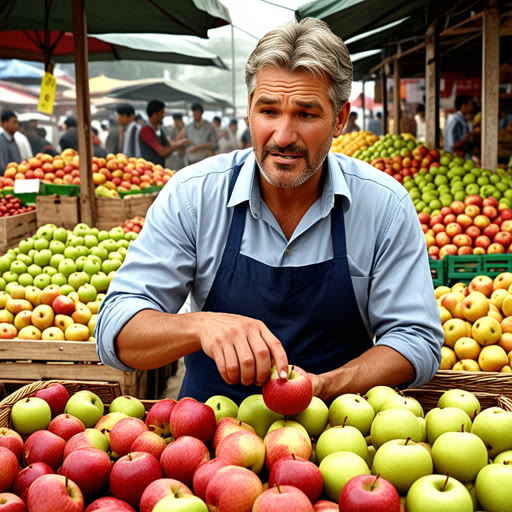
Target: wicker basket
[(107, 391)]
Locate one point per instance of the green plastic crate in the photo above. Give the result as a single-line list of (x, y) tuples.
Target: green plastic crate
[(494, 264), (48, 189), (463, 268), (438, 271), (26, 199)]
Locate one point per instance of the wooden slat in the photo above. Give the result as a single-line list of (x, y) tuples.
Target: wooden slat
[(79, 351)]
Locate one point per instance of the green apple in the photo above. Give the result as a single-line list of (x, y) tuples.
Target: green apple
[(56, 259), (253, 410), (26, 245), (116, 233), (402, 462), (110, 266), (404, 402), (109, 245), (51, 271), (494, 427), (80, 262), (352, 409), (34, 270), (494, 488), (504, 458), (81, 229), (460, 454), (57, 247), (99, 252), (59, 279), (123, 244), (396, 423), (82, 250), (46, 231), (67, 267), (180, 501), (2, 283), (71, 252), (41, 243), (25, 258), (10, 277), (86, 406), (341, 438), (115, 255), (314, 418), (87, 293), (18, 267), (128, 405), (77, 279), (100, 282), (75, 241), (30, 414), (102, 235), (337, 469), (66, 289), (91, 266), (90, 241), (42, 281), (462, 399), (5, 263), (60, 234), (25, 279), (222, 405), (42, 257), (449, 419), (439, 493)]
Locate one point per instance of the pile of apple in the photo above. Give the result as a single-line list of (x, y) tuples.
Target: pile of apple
[(472, 226), (349, 143), (477, 324), (10, 205), (135, 225), (390, 145), (281, 450)]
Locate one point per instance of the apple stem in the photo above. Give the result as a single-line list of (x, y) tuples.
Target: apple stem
[(290, 372), (406, 441), (278, 489), (374, 484), (506, 462), (462, 428), (293, 455), (130, 456), (400, 392), (344, 421), (446, 481)]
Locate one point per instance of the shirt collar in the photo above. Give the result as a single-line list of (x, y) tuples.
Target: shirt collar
[(8, 136), (247, 188)]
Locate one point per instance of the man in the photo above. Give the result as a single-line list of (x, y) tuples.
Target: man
[(155, 145), (176, 161), (457, 135), (375, 124), (123, 138), (351, 125), (70, 137), (202, 136), (230, 141), (29, 129), (9, 151), (290, 253), (421, 125), (246, 136)]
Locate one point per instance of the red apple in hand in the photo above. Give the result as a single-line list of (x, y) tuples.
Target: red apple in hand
[(56, 395), (55, 492), (11, 503), (369, 492), (290, 395), (282, 497)]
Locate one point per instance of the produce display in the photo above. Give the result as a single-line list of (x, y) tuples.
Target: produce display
[(477, 324), (472, 226), (380, 452), (116, 173), (10, 205), (53, 283), (350, 143)]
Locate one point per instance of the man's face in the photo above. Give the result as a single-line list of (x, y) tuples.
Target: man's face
[(11, 125), (159, 116), (292, 125), (197, 115), (178, 123), (469, 109), (124, 119), (233, 127)]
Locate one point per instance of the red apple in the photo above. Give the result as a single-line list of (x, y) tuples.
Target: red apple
[(63, 305), (131, 474), (457, 207), (11, 440), (233, 489), (424, 218), (465, 250), (204, 474), (289, 395), (446, 210), (242, 448), (438, 228), (158, 417), (111, 504), (283, 497), (326, 506), (43, 446), (462, 240), (298, 472), (50, 493), (90, 438), (453, 229), (89, 468), (448, 250), (473, 232), (491, 230), (149, 442), (495, 248), (442, 239), (482, 241), (159, 489), (503, 237), (124, 433), (28, 475), (182, 457), (490, 201), (66, 426), (436, 219), (369, 492), (192, 418), (56, 395), (490, 211), (226, 426), (285, 441), (8, 468), (474, 199), (10, 502), (449, 218), (506, 213)]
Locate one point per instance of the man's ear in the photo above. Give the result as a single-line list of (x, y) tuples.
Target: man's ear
[(341, 119)]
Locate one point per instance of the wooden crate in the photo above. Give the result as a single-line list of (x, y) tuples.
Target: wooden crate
[(59, 210), (23, 361), (16, 228), (112, 212)]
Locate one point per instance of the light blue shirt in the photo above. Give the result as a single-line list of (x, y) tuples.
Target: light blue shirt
[(181, 245), (455, 129)]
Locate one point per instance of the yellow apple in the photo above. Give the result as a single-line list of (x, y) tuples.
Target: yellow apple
[(52, 334), (497, 297), (77, 332), (486, 330), (452, 301), (503, 281), (492, 358), (466, 365), (445, 314), (62, 322), (30, 332), (17, 305), (495, 312), (454, 329), (441, 290), (506, 305), (467, 348), (475, 306), (43, 316), (506, 369), (448, 358)]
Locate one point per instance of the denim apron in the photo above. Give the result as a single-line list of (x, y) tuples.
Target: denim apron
[(311, 309)]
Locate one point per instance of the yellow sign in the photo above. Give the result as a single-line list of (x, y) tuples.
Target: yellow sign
[(47, 95)]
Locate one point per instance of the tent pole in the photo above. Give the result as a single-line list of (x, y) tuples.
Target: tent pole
[(87, 198), (396, 96), (233, 69), (363, 105)]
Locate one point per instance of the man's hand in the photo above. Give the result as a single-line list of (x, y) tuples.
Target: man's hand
[(243, 348)]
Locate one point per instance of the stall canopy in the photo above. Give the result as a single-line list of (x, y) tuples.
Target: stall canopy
[(27, 73), (184, 17), (11, 95)]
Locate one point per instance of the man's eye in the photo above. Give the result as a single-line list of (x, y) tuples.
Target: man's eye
[(308, 115), (267, 112)]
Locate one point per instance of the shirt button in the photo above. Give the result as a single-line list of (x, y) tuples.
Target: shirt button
[(288, 252)]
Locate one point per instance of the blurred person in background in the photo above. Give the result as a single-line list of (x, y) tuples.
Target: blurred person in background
[(246, 136), (123, 137), (351, 125), (177, 160), (47, 145), (97, 148), (202, 136), (230, 141), (70, 137), (457, 134), (421, 126), (375, 125), (103, 135), (29, 129), (9, 151)]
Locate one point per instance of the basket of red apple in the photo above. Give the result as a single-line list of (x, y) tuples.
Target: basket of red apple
[(280, 450)]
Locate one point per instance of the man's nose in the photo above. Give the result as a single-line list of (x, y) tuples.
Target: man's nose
[(285, 132)]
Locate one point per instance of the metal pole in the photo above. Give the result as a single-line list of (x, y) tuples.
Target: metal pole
[(233, 69)]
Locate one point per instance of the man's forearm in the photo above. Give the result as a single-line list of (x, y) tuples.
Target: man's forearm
[(380, 365), (152, 339)]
